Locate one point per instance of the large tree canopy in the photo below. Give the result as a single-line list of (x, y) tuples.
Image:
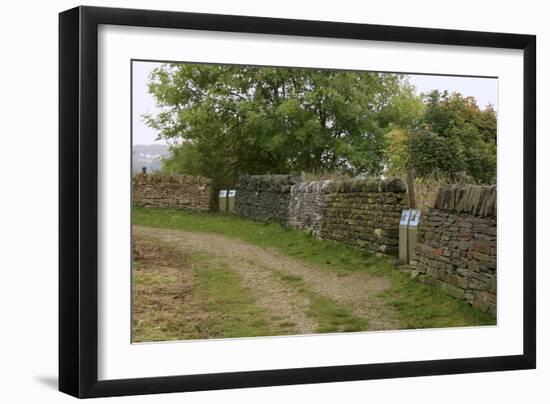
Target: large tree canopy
[(229, 120), (223, 121)]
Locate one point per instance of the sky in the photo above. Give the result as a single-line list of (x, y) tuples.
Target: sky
[(143, 103), (484, 90)]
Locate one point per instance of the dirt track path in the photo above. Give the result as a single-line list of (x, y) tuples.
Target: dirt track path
[(258, 266)]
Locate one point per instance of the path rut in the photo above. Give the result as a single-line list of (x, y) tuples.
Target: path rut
[(257, 267)]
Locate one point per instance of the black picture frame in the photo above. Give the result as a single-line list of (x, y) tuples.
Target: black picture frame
[(78, 201)]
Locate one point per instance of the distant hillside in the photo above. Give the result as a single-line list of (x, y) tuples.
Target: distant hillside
[(149, 156)]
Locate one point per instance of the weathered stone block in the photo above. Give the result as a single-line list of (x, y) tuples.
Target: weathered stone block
[(451, 290)]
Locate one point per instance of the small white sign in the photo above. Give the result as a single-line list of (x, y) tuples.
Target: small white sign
[(405, 215), (415, 218), (232, 193), (223, 193)]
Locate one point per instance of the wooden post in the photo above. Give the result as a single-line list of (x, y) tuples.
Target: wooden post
[(410, 189)]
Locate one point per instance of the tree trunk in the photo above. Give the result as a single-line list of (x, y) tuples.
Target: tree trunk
[(410, 188)]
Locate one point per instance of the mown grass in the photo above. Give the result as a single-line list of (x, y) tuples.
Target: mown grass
[(330, 316), (209, 302), (417, 305), (231, 306)]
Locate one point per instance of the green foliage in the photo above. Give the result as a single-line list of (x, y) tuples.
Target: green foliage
[(433, 153), (223, 121), (450, 137), (455, 136), (399, 152), (229, 120), (184, 159), (406, 107)]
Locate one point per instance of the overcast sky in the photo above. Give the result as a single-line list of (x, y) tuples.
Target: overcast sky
[(143, 103), (483, 89)]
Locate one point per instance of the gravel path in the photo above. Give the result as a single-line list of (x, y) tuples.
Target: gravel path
[(258, 266)]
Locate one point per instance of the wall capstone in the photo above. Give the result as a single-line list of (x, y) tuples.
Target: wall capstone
[(473, 199)]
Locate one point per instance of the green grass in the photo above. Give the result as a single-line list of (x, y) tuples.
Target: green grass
[(421, 306), (417, 305), (329, 315), (231, 306), (334, 317), (211, 302)]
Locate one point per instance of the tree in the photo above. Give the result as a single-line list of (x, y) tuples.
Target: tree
[(400, 158), (451, 138), (457, 137), (229, 120), (441, 135), (407, 110)]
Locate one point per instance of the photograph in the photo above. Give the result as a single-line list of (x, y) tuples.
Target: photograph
[(250, 201), (283, 200)]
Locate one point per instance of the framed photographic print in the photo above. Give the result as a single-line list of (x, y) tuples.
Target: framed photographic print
[(250, 201)]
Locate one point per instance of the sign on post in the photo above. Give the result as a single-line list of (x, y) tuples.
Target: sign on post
[(231, 200), (222, 200), (412, 231), (403, 245)]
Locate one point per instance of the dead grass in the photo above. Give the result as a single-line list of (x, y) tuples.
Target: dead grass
[(193, 295), (304, 298), (426, 190), (163, 305)]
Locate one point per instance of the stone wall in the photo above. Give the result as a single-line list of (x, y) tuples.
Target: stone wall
[(360, 213), (365, 214), (172, 191), (264, 197), (457, 246), (308, 205)]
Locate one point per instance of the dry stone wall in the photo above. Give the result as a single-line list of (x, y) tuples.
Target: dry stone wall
[(308, 205), (457, 245), (264, 197), (365, 214), (361, 213), (172, 191)]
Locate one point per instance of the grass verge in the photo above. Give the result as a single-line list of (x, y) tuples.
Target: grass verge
[(417, 305)]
